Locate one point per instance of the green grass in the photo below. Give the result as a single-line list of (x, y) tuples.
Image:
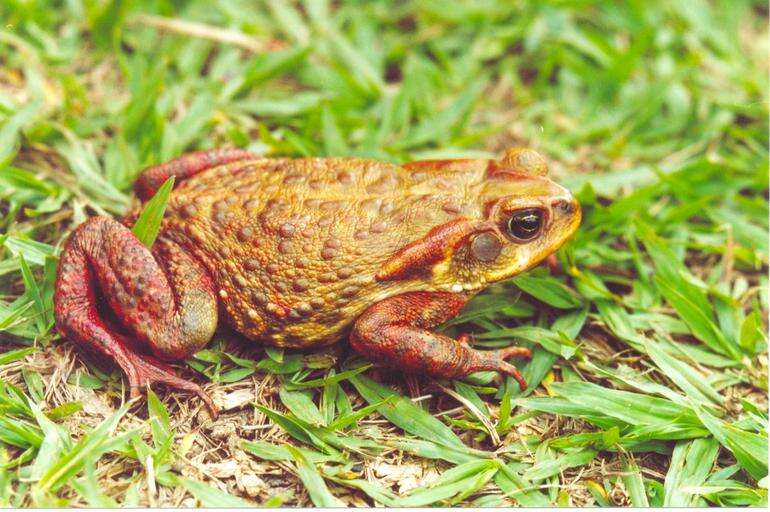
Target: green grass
[(648, 383)]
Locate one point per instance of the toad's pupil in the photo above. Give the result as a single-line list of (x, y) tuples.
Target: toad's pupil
[(529, 223)]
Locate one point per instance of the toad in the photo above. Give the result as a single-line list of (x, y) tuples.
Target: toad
[(305, 252)]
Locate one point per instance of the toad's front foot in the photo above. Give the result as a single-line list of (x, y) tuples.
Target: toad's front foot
[(396, 333)]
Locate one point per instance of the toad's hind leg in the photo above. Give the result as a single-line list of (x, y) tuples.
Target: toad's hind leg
[(168, 306), (185, 166), (396, 332)]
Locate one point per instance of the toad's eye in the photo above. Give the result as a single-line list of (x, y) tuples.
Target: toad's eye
[(525, 224)]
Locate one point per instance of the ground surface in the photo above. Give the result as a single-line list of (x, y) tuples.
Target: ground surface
[(649, 379)]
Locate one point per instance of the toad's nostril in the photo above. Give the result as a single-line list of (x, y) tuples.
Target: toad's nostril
[(564, 206)]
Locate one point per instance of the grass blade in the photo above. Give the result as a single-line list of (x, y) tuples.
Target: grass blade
[(301, 404), (406, 414), (460, 481), (72, 461), (212, 497), (519, 488), (147, 225), (549, 290), (314, 483), (634, 482), (684, 376), (750, 450), (691, 462)]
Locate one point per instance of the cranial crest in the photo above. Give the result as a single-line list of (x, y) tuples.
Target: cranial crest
[(519, 161)]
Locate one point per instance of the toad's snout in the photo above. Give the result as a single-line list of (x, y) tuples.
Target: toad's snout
[(566, 211)]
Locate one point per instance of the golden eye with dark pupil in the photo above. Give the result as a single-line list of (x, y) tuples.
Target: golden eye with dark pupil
[(525, 224)]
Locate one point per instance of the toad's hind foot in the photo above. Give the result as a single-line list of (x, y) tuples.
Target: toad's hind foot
[(168, 306), (145, 370)]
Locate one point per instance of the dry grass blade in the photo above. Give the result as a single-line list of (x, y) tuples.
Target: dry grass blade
[(204, 31)]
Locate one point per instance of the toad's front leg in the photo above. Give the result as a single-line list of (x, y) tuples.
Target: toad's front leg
[(166, 301), (396, 332)]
